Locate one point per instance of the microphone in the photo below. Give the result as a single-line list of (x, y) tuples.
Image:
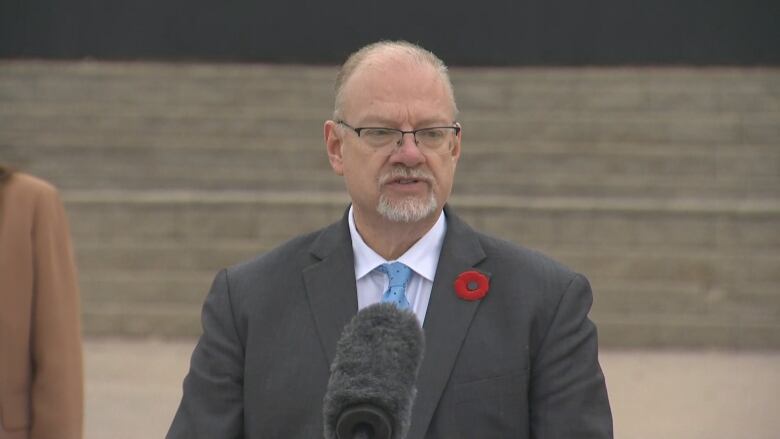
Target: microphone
[(371, 387)]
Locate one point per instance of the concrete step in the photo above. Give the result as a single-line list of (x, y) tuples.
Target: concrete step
[(735, 270), (136, 85), (536, 132), (531, 89), (687, 332), (182, 215), (614, 296), (121, 216), (714, 262), (145, 287), (165, 320), (629, 312), (302, 124), (628, 315), (722, 173), (640, 125)]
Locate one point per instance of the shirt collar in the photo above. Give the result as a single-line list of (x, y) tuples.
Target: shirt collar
[(422, 257)]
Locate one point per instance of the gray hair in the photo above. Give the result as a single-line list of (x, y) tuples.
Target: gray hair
[(415, 52)]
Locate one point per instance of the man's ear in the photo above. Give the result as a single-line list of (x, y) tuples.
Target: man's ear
[(455, 152), (333, 142)]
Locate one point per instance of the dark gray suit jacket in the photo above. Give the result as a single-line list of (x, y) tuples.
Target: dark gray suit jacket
[(520, 363)]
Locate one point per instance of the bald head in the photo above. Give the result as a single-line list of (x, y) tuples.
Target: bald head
[(383, 52)]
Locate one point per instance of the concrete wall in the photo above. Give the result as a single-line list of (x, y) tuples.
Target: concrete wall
[(662, 185)]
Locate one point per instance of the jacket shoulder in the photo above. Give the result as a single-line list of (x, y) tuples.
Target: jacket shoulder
[(23, 189), (289, 257), (27, 184), (505, 252)]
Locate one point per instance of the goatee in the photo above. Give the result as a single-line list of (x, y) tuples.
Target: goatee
[(409, 209)]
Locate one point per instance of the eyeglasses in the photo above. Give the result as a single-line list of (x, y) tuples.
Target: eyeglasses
[(431, 138)]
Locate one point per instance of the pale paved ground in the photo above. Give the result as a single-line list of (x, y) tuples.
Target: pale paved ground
[(133, 388)]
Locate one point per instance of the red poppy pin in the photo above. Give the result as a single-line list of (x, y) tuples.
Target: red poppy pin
[(471, 285)]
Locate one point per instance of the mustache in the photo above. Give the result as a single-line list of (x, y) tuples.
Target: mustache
[(403, 172)]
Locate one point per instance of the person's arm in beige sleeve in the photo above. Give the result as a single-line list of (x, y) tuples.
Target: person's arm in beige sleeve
[(57, 388)]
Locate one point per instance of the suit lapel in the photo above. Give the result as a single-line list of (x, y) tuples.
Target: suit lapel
[(330, 285), (446, 322)]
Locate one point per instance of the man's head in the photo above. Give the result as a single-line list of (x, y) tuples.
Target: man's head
[(399, 48), (389, 176)]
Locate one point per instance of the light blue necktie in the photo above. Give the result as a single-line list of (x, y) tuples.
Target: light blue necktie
[(399, 275)]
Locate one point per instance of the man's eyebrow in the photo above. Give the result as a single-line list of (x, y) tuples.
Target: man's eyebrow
[(378, 121)]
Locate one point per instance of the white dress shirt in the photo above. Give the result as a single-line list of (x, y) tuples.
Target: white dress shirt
[(422, 258)]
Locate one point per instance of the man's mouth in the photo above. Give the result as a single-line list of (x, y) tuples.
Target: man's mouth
[(405, 181), (405, 177)]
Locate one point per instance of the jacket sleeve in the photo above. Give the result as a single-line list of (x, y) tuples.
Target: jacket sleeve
[(568, 391), (212, 401), (57, 385)]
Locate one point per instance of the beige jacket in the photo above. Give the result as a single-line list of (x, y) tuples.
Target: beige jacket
[(41, 376)]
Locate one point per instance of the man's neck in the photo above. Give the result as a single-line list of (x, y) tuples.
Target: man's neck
[(391, 239)]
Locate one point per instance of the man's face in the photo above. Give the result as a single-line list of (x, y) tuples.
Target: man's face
[(403, 183)]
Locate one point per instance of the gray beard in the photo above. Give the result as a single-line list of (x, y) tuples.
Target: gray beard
[(407, 210)]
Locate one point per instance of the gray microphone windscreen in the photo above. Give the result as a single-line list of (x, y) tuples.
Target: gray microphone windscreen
[(376, 364)]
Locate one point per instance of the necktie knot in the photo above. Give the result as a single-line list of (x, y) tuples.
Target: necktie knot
[(399, 275)]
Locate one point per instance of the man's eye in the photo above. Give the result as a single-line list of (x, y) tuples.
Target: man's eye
[(432, 134), (378, 132)]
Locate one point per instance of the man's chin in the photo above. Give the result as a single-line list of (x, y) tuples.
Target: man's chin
[(409, 210)]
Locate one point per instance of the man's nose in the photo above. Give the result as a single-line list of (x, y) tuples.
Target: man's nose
[(407, 151)]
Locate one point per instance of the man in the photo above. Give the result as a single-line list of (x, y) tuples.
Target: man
[(518, 359)]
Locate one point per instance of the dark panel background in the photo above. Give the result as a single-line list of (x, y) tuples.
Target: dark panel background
[(502, 32)]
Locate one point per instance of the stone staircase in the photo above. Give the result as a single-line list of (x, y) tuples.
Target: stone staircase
[(661, 184)]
